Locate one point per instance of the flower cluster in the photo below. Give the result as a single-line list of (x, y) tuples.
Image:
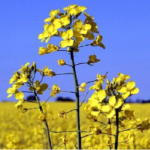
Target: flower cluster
[(70, 28), (112, 97)]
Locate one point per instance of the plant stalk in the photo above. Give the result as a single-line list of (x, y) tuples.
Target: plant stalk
[(77, 100), (45, 122), (117, 129)]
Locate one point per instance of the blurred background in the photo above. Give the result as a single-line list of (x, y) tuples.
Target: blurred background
[(123, 24)]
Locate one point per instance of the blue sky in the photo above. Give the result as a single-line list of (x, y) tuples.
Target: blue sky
[(124, 25)]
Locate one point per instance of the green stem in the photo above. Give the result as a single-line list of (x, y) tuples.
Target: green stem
[(117, 129), (45, 122), (77, 100)]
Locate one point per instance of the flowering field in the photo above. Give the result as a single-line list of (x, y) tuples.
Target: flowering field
[(25, 131)]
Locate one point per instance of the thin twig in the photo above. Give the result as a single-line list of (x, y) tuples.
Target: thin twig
[(127, 129), (86, 135), (66, 131), (59, 145), (46, 101), (84, 45), (68, 65), (84, 99), (63, 73), (108, 134), (101, 123), (27, 91), (70, 111)]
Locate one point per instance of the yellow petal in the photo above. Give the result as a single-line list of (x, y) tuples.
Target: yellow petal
[(123, 90), (119, 103), (112, 101), (10, 95), (130, 85), (126, 95), (111, 113), (42, 50), (66, 43), (125, 106), (70, 33), (101, 95), (105, 108), (135, 90), (95, 113), (19, 95), (9, 90)]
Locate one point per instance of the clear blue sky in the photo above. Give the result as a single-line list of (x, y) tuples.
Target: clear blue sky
[(124, 24)]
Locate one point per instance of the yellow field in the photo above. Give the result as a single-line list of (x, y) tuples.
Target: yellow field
[(25, 130)]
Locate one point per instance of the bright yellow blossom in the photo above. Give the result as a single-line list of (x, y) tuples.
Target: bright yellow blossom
[(55, 90), (128, 89), (122, 77), (50, 48), (12, 90), (61, 62), (63, 21), (113, 104), (39, 88), (80, 27), (67, 38), (48, 72), (14, 77), (49, 31), (82, 87), (74, 9), (52, 14)]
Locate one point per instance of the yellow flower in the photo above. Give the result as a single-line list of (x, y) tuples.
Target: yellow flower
[(14, 77), (79, 37), (19, 96), (52, 14), (96, 86), (113, 104), (25, 68), (63, 21), (122, 77), (67, 38), (61, 62), (12, 90), (92, 59), (62, 114), (48, 72), (49, 31), (82, 87), (80, 27), (55, 90), (39, 88), (128, 89), (89, 19), (50, 48), (23, 78), (74, 9), (101, 78), (98, 42), (42, 117)]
